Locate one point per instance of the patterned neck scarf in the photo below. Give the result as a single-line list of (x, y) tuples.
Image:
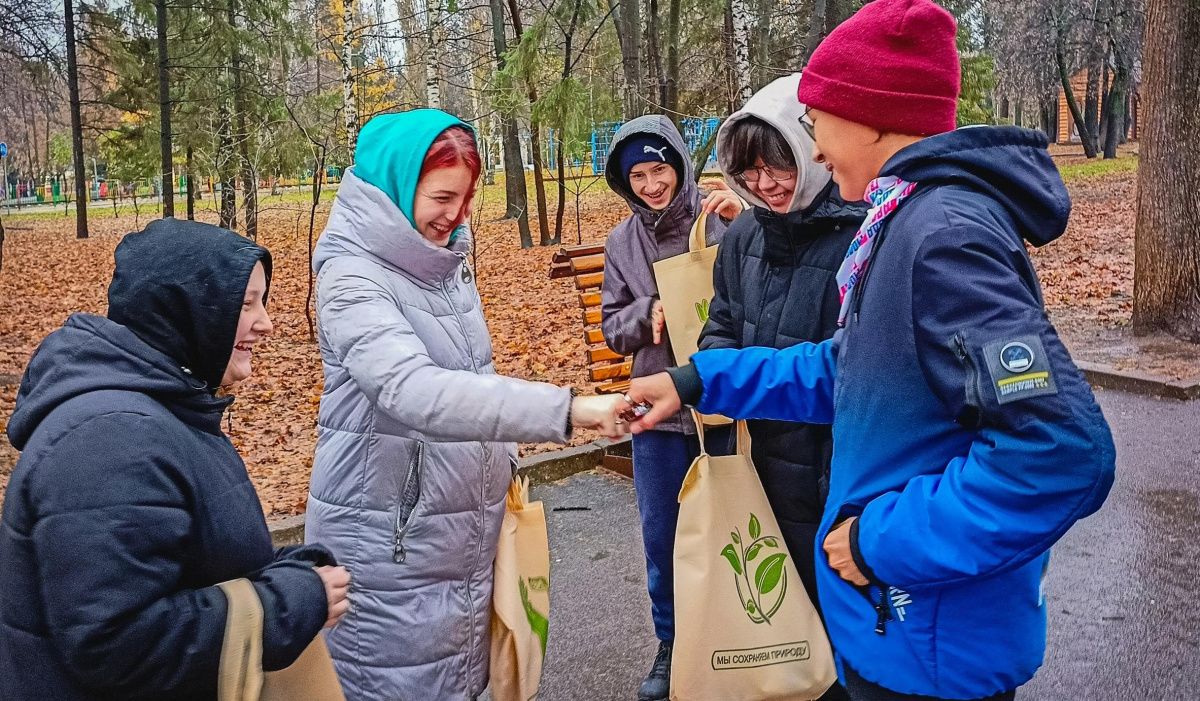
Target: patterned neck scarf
[(885, 195)]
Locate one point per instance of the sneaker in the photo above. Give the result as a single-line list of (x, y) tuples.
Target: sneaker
[(657, 684)]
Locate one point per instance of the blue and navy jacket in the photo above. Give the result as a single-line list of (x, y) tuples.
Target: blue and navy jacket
[(965, 439)]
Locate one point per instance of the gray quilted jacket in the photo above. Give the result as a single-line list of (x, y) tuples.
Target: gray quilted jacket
[(412, 463)]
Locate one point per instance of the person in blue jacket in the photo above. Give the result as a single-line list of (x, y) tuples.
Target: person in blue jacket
[(966, 442)]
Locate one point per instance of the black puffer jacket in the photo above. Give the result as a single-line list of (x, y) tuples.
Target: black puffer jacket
[(775, 287), (128, 503)]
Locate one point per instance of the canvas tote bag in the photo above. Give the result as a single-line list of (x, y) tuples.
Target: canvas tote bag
[(520, 598), (745, 628), (685, 287), (241, 678)]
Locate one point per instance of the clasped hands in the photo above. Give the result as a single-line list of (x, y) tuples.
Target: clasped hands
[(616, 415)]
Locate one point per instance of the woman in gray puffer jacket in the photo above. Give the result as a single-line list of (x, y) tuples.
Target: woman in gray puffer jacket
[(414, 457)]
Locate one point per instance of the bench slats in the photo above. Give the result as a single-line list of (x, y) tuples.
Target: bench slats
[(600, 373), (601, 354), (618, 387), (591, 317), (587, 264), (589, 299), (593, 336), (587, 281)]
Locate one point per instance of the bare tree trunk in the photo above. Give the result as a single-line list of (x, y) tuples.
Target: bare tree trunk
[(727, 39), (741, 51), (189, 174), (516, 195), (560, 132), (671, 99), (1089, 144), (433, 58), (1166, 280), (164, 111), (1115, 115), (656, 81), (535, 140), (628, 24), (762, 45), (81, 223), (242, 137), (1091, 99), (349, 104), (539, 181)]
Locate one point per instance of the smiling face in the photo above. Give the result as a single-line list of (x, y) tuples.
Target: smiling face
[(655, 183), (775, 186), (854, 153), (253, 326), (442, 202)]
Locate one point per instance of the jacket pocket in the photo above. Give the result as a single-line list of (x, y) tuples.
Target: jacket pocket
[(971, 415), (406, 506), (875, 591)]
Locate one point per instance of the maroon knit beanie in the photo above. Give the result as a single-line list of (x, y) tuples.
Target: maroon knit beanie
[(892, 66)]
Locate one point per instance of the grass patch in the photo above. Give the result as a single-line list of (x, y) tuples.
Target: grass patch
[(1098, 168)]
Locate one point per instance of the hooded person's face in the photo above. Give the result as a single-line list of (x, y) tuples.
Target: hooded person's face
[(253, 326), (772, 184), (655, 183), (442, 202)]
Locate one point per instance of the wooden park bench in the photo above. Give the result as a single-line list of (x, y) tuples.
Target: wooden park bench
[(586, 265)]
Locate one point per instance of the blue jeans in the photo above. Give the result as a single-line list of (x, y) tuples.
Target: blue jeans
[(660, 461)]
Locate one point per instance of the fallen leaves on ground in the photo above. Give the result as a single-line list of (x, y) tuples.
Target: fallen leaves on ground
[(535, 322)]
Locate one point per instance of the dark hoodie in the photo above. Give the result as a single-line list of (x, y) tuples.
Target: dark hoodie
[(965, 439), (646, 236), (128, 503)]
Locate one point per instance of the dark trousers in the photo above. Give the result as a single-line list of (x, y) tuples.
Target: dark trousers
[(660, 461), (862, 690)]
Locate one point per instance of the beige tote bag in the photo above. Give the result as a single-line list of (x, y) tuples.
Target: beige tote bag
[(745, 628), (241, 678), (520, 598), (685, 287)]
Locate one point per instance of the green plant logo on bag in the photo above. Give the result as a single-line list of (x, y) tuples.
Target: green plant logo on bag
[(762, 595), (538, 621), (702, 310)]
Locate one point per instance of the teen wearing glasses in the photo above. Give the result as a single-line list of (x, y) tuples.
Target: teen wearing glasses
[(775, 287)]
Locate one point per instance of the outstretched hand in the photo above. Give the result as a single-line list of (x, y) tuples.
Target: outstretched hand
[(657, 391), (601, 413)]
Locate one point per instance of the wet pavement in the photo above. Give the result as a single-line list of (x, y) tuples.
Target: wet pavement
[(1123, 589)]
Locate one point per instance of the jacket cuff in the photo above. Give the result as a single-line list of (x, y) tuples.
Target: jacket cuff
[(570, 429), (688, 384), (856, 553), (314, 553)]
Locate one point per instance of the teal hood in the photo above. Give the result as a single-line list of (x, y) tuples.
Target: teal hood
[(392, 147)]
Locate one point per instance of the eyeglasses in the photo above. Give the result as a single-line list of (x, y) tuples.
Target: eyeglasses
[(754, 174), (807, 125)]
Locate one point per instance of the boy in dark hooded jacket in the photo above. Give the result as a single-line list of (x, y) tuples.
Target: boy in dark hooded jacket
[(650, 167), (966, 442)]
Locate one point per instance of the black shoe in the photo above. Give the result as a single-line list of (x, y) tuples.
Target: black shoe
[(657, 684)]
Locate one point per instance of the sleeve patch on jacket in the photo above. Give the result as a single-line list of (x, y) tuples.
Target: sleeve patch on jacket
[(1019, 369)]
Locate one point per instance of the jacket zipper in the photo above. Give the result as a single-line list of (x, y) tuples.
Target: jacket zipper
[(973, 392), (471, 642), (409, 495)]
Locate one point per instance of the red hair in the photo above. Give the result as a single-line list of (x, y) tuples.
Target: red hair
[(453, 147)]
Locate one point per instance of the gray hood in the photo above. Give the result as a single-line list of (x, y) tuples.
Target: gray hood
[(776, 104), (364, 222), (686, 202)]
